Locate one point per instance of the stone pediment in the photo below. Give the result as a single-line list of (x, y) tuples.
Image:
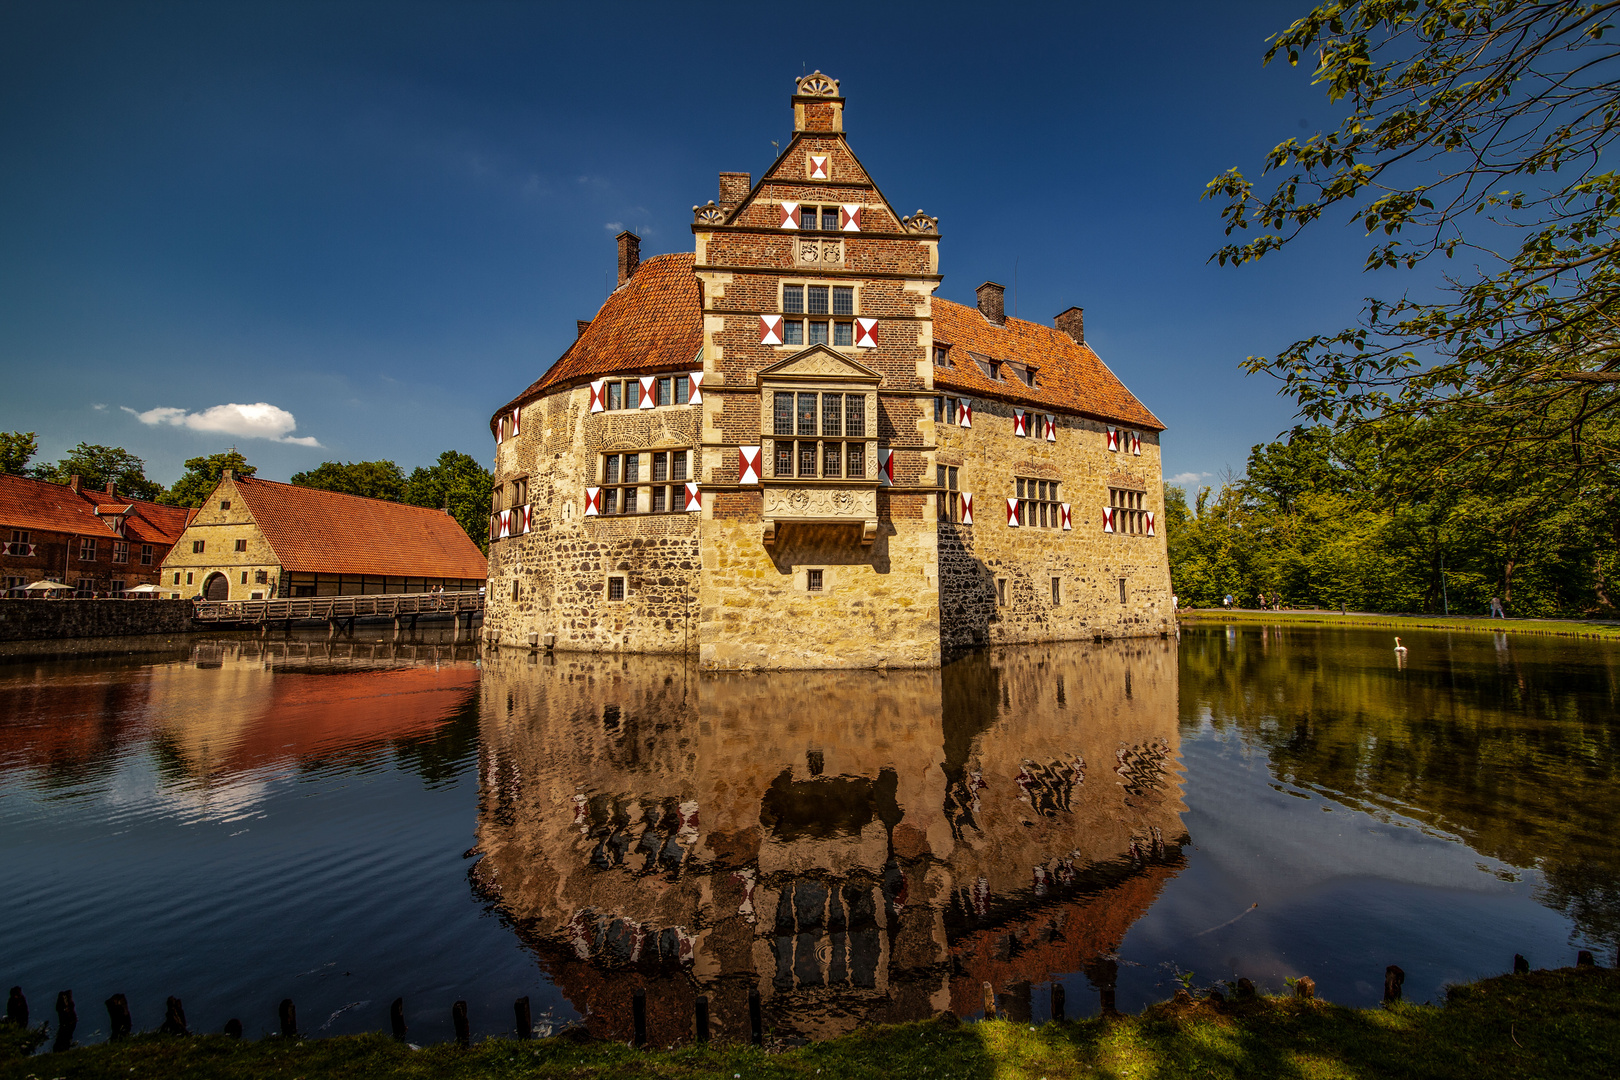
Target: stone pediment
[(819, 363)]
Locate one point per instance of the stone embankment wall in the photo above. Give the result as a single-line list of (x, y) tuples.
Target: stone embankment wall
[(40, 620)]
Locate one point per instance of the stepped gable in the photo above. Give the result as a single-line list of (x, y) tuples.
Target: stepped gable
[(26, 503), (650, 325), (1069, 376), (328, 532)]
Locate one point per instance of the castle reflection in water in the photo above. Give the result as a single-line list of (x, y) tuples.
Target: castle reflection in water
[(855, 847)]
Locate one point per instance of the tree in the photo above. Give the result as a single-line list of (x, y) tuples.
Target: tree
[(373, 479), (202, 476), (17, 448), (97, 466), (459, 482), (1490, 116)]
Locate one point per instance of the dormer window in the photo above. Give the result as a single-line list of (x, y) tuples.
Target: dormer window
[(942, 356), (991, 369), (1025, 373)]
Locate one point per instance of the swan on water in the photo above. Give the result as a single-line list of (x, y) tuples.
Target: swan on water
[(1400, 650)]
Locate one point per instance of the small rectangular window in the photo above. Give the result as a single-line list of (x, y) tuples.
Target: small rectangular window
[(225, 504), (87, 550), (177, 577), (832, 415), (812, 580), (683, 390), (241, 545), (632, 468), (189, 578), (660, 496), (817, 300), (818, 333), (632, 394), (832, 459), (1057, 591), (120, 551), (197, 546), (793, 332), (615, 588), (856, 456), (807, 459), (942, 355), (829, 218), (666, 391), (146, 554), (793, 299), (1122, 590), (843, 298), (610, 501), (855, 416), (660, 468), (807, 414), (118, 585), (677, 465), (843, 334), (615, 395), (244, 577), (1001, 592), (629, 500), (610, 469), (784, 458), (939, 409), (261, 577), (782, 414)]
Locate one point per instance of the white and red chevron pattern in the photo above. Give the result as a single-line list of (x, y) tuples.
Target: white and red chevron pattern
[(598, 391), (695, 379), (866, 333), (818, 167), (748, 467), (1067, 524), (1113, 439), (1020, 423), (770, 329), (1147, 520), (967, 508), (648, 386), (886, 467), (1012, 513), (1108, 519), (593, 501), (849, 218), (790, 216), (965, 414), (1136, 443), (694, 498), (1051, 428)]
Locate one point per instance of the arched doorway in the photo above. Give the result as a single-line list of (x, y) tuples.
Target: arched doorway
[(216, 587)]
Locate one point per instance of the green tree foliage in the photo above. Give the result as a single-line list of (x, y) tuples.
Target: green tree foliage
[(17, 449), (456, 480), (202, 476), (1477, 131), (96, 466), (1332, 521), (373, 479)]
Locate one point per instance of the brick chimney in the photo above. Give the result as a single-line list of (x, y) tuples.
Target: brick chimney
[(990, 303), (112, 489), (73, 483), (817, 105), (1073, 323), (629, 254), (579, 327), (734, 189), (227, 474)]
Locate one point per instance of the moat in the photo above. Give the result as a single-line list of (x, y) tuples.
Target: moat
[(239, 821)]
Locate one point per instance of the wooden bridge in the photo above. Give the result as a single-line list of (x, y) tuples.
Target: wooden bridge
[(334, 610)]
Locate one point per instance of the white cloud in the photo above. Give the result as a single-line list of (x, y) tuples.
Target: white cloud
[(260, 420), (1187, 479), (613, 226), (99, 408)]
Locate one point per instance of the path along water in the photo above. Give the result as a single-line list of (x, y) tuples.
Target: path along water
[(341, 824)]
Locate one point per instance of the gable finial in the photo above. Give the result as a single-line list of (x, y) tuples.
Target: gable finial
[(816, 84)]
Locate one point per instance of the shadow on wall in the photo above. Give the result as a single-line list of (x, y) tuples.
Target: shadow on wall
[(817, 544)]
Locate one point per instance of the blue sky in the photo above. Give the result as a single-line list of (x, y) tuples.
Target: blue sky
[(381, 220)]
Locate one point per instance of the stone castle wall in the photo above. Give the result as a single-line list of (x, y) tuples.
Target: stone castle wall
[(45, 620)]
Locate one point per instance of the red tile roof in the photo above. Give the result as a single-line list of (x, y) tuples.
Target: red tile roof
[(651, 324), (326, 532), (35, 504), (1069, 376)]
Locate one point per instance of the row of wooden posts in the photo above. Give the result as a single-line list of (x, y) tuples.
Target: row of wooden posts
[(174, 1016)]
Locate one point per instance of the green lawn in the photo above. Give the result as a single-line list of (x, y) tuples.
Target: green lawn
[(1554, 627), (1563, 1024)]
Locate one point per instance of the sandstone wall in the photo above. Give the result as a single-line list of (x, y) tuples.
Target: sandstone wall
[(219, 528)]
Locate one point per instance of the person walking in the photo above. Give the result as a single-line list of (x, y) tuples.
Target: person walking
[(1496, 608)]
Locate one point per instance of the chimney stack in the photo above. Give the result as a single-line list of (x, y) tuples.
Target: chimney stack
[(817, 104), (73, 483), (1073, 323), (629, 255), (734, 189), (990, 303), (112, 489), (579, 327), (227, 474)]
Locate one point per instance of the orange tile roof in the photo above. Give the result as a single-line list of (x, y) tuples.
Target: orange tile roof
[(653, 323), (327, 532), (1069, 376), (36, 504)]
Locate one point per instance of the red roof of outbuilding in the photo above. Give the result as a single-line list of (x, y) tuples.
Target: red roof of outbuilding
[(313, 531), (652, 323), (26, 503), (1069, 375)]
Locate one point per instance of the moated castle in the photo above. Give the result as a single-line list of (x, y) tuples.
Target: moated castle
[(780, 450)]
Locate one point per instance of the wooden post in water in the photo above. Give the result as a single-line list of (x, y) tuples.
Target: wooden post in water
[(458, 1017), (118, 1021), (233, 1028), (67, 1018), (17, 1007), (756, 1023), (703, 1018), (1394, 979), (1521, 966), (638, 1017), (1583, 959), (525, 1020), (1059, 1001), (396, 1018), (174, 1018), (289, 1018), (989, 1002)]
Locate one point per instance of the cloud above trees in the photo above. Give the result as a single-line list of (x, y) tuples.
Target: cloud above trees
[(260, 420)]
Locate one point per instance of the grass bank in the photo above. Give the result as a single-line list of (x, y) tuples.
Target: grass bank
[(1549, 627), (1563, 1024)]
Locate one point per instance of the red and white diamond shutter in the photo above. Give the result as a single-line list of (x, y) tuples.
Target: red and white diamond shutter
[(598, 391), (886, 467), (818, 166), (648, 385), (694, 499), (790, 215), (1012, 513), (1147, 520), (1067, 523), (695, 381), (866, 333), (1108, 519), (967, 508), (1136, 443), (966, 413), (593, 501), (500, 430), (849, 218), (748, 464), (1020, 423), (770, 329), (1113, 439), (504, 526), (517, 421), (528, 517), (1051, 428)]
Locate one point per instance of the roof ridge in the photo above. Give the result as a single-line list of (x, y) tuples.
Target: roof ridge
[(340, 494)]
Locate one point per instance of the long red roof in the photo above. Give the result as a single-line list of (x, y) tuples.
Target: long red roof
[(26, 503), (314, 531)]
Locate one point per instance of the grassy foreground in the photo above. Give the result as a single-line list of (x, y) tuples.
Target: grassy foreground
[(1563, 1023), (1551, 627)]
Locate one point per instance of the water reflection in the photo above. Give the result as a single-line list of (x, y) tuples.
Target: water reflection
[(855, 847)]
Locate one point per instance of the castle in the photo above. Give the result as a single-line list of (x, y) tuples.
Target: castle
[(780, 450)]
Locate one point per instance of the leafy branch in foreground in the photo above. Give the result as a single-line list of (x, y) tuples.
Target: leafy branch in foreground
[(1489, 114)]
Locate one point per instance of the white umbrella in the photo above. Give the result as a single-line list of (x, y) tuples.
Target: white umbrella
[(48, 586), (144, 589)]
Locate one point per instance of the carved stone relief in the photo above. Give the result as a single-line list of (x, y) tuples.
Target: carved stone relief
[(819, 253), (816, 84), (798, 502), (920, 223)]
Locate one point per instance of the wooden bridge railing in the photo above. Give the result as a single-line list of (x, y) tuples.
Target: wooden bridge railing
[(331, 608)]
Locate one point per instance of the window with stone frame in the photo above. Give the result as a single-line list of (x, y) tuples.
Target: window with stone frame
[(13, 584), (950, 500), (20, 540), (615, 588), (818, 315), (261, 577), (830, 429), (673, 390), (146, 554), (198, 546), (947, 410), (520, 491), (241, 545), (120, 551), (621, 478), (1038, 504), (87, 549), (495, 494), (1130, 515), (818, 218)]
